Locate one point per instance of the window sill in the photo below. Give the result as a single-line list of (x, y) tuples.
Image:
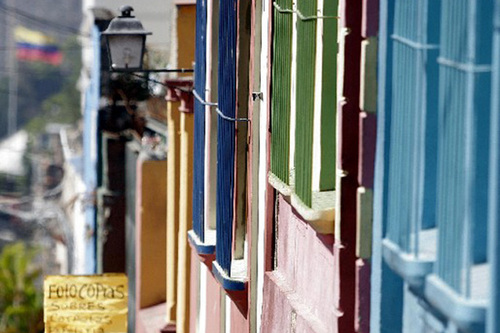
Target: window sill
[(205, 251), (279, 185), (321, 216), (236, 287), (202, 248), (469, 315), (412, 269), (228, 282)]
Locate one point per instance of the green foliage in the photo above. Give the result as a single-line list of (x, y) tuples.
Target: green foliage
[(15, 185), (21, 302)]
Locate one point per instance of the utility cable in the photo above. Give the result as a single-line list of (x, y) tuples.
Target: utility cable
[(300, 15), (219, 111), (55, 26)]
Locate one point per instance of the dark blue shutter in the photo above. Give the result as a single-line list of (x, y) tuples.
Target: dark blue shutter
[(199, 121), (226, 132)]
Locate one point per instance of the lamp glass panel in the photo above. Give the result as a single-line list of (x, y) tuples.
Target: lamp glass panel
[(126, 51)]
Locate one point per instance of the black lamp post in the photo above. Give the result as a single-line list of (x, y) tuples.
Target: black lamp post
[(126, 42)]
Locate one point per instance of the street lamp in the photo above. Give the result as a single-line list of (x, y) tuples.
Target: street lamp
[(126, 42)]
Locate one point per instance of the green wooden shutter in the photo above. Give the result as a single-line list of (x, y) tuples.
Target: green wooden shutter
[(306, 60), (329, 98), (281, 90)]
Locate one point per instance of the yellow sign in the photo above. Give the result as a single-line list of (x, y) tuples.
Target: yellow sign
[(85, 303)]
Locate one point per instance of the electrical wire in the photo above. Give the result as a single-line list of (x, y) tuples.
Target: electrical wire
[(197, 96), (300, 15), (219, 112), (35, 19), (201, 100)]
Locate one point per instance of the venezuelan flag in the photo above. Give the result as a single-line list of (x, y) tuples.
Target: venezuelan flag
[(35, 46)]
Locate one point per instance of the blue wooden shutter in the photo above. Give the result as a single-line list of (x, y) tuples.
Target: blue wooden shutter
[(199, 121), (386, 286), (459, 285), (226, 132), (493, 324), (464, 109), (413, 133)]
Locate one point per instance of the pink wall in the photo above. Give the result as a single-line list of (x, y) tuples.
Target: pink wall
[(299, 293), (194, 291), (213, 304), (239, 323)]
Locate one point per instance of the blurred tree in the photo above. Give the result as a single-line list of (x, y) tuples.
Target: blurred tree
[(21, 302), (55, 90)]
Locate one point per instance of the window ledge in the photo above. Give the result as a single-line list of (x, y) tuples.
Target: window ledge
[(321, 216), (228, 282), (412, 269), (203, 248), (279, 185), (235, 287), (469, 315)]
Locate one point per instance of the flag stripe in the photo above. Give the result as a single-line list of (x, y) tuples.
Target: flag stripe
[(37, 55), (42, 48), (36, 46), (32, 37)]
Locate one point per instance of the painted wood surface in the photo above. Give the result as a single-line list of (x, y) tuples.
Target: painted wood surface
[(185, 220), (464, 140), (369, 26), (328, 127), (350, 21), (226, 133), (173, 187), (368, 89), (199, 121), (363, 296), (186, 35), (150, 233), (281, 92), (386, 287), (211, 118), (304, 94), (493, 324), (253, 200), (241, 129), (364, 223), (367, 140)]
